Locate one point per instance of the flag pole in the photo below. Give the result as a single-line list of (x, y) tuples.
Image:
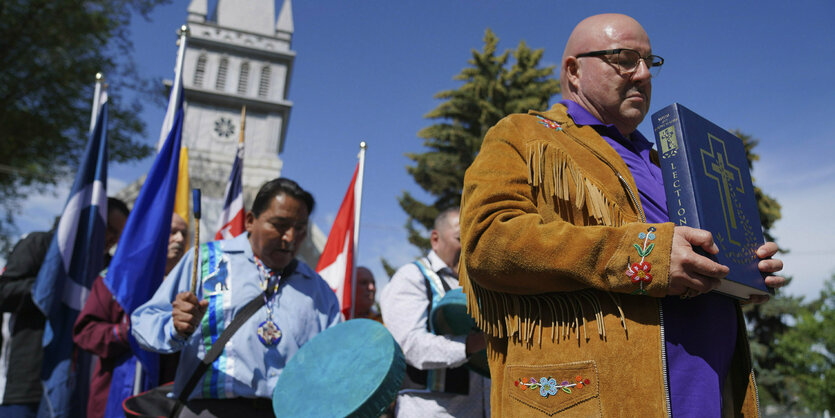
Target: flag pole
[(59, 291), (243, 125), (99, 96), (181, 196), (176, 88), (167, 123), (96, 101), (357, 207)]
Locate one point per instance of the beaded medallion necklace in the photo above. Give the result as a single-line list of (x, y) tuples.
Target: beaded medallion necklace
[(268, 332)]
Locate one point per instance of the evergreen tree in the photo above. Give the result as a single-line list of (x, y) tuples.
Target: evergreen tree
[(809, 352), (491, 90), (767, 326), (50, 52)]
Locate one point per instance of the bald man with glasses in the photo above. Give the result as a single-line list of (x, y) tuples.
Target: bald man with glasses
[(593, 303)]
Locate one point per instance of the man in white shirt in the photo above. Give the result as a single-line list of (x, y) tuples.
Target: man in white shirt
[(437, 383)]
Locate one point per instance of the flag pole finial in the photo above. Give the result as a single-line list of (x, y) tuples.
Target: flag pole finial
[(363, 145), (100, 77), (183, 30)]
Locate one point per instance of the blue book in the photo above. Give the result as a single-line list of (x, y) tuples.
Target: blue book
[(708, 186)]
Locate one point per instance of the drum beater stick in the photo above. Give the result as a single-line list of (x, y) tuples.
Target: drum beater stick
[(196, 197)]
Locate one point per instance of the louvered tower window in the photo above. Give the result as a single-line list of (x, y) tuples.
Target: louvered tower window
[(221, 74), (243, 78), (264, 85), (200, 71)]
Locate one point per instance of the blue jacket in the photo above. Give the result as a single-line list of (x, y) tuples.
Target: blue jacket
[(304, 306)]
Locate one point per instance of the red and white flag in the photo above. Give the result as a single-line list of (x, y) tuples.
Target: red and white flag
[(231, 222), (337, 264)]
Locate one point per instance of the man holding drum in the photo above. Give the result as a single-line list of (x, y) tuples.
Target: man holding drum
[(437, 382), (298, 304)]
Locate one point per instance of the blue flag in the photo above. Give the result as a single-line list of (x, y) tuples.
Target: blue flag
[(138, 267), (74, 259)]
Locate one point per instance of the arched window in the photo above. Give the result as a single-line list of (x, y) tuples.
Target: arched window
[(221, 74), (264, 85), (200, 70), (243, 77)]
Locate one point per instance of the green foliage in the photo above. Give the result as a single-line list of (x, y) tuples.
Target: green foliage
[(809, 351), (491, 90), (768, 324), (50, 51)]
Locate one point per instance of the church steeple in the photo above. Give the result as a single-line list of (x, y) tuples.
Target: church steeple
[(197, 10), (285, 18), (254, 16)]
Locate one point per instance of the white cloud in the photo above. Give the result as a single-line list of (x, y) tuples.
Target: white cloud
[(388, 243), (805, 229), (38, 211), (803, 182), (329, 217), (114, 185), (774, 176)]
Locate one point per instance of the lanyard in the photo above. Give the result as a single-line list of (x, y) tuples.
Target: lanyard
[(268, 331)]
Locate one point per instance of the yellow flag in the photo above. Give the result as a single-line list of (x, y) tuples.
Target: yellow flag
[(181, 201)]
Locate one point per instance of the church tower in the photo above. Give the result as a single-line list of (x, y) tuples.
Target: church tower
[(242, 56), (239, 57)]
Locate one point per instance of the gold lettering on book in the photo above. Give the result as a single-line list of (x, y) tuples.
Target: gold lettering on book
[(680, 212)]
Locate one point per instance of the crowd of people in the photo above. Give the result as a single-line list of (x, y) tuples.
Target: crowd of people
[(540, 245)]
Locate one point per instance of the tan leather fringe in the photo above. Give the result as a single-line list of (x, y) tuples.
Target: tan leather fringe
[(553, 171), (521, 317)]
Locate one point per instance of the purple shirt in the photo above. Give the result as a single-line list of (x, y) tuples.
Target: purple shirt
[(700, 332)]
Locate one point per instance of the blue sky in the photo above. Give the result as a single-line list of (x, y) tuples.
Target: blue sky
[(368, 70)]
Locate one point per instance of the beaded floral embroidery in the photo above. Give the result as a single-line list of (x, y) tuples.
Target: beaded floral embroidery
[(549, 123), (639, 272), (548, 386)]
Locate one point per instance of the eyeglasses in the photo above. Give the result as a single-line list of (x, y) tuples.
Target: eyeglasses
[(628, 60)]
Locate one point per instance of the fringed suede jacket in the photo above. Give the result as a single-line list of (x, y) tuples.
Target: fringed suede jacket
[(551, 222)]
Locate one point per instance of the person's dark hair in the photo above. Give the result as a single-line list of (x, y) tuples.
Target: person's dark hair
[(442, 220), (278, 186), (117, 204)]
